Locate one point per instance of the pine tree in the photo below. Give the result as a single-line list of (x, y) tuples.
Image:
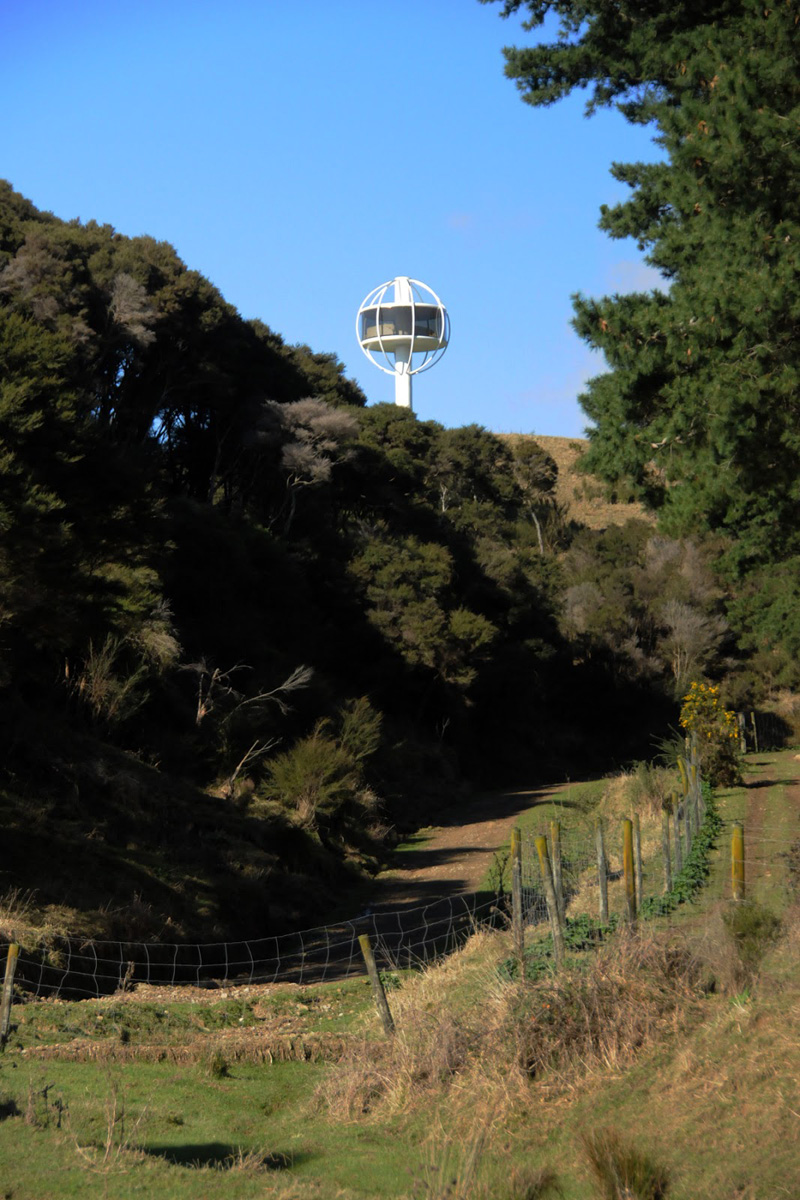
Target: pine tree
[(701, 406)]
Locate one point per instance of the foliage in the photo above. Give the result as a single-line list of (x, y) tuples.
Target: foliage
[(765, 614), (692, 876), (215, 1064), (192, 509), (650, 600), (581, 933), (622, 1171), (754, 929), (716, 732), (648, 788), (320, 780), (698, 410)]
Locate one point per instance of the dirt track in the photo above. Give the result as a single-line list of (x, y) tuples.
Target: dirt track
[(453, 858)]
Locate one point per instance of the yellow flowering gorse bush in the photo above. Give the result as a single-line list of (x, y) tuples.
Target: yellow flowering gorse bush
[(702, 713), (716, 729)]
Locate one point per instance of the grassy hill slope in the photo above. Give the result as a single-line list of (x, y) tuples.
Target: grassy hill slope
[(671, 1055), (585, 499)]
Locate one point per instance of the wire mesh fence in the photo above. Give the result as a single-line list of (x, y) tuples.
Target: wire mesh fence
[(762, 731), (75, 968), (577, 856), (72, 968)]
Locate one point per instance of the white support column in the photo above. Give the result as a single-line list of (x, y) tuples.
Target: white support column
[(402, 290), (402, 377), (402, 354)]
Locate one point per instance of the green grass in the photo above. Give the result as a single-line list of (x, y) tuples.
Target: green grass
[(326, 1008), (189, 1126), (713, 1096), (779, 830)]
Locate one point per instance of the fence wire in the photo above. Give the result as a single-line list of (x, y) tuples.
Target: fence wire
[(577, 855), (71, 968), (76, 969)]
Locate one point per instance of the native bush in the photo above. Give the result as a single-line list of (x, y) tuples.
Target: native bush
[(320, 779)]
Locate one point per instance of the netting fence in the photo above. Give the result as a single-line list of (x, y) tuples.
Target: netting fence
[(576, 858), (78, 968), (73, 968)]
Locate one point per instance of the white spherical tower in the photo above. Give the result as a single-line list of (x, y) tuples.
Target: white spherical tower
[(406, 324)]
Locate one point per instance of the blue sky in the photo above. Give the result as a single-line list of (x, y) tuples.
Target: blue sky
[(301, 152)]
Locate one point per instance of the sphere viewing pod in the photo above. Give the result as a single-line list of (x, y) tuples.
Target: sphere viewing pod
[(404, 323)]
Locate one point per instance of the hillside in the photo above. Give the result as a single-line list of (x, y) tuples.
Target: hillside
[(586, 500), (656, 1055), (247, 615)]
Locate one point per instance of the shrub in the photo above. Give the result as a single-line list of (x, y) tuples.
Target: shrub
[(622, 1172), (717, 734), (111, 682), (599, 1014), (606, 1013), (320, 779), (754, 929), (314, 778), (688, 881), (649, 788), (214, 1064)]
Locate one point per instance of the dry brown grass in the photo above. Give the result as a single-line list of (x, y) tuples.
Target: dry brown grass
[(439, 1017), (640, 791), (237, 1046), (18, 917), (515, 1038), (584, 497), (638, 987), (622, 1171)]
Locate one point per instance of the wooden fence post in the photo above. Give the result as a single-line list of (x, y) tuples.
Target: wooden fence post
[(697, 783), (754, 727), (737, 862), (555, 856), (627, 868), (637, 859), (694, 795), (517, 923), (602, 871), (665, 850), (552, 904), (378, 993), (676, 829), (742, 732), (8, 992)]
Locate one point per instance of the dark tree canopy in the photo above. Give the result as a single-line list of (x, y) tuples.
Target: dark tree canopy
[(302, 620)]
